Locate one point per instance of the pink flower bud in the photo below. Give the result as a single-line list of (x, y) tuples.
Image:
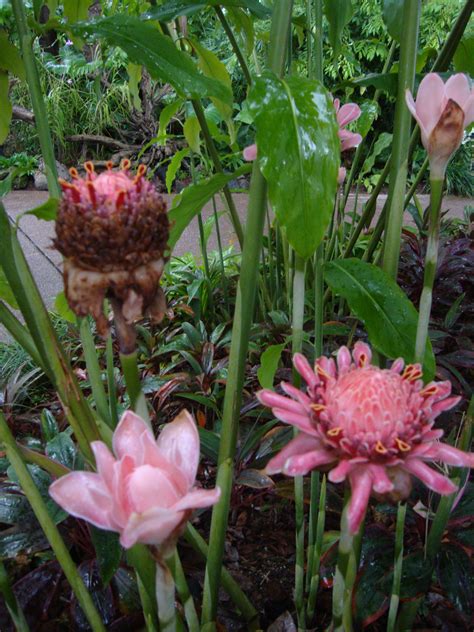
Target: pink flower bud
[(443, 111), (147, 491)]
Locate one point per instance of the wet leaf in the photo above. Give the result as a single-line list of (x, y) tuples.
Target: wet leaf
[(389, 316), (61, 448), (144, 44), (300, 162), (102, 597), (108, 552), (49, 425), (255, 479)]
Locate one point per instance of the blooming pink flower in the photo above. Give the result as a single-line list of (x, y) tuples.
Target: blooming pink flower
[(346, 114), (147, 492), (372, 426), (443, 111)]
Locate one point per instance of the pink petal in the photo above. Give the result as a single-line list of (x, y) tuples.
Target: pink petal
[(349, 112), (410, 101), (397, 365), (303, 367), (430, 101), (179, 442), (300, 421), (302, 444), (84, 495), (197, 498), (457, 88), (445, 404), (301, 464), (152, 527), (250, 153), (122, 505), (150, 487), (127, 437), (337, 105), (450, 455), (469, 111), (294, 392), (344, 360), (433, 480), (349, 140), (339, 473), (362, 353), (105, 462), (381, 482), (361, 486), (273, 400), (341, 175), (153, 456)]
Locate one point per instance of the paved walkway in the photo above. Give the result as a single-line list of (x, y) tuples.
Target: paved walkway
[(36, 235)]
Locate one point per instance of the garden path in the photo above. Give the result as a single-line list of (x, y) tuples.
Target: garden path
[(36, 235)]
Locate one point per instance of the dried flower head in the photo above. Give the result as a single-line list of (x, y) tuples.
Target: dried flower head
[(372, 426), (113, 230)]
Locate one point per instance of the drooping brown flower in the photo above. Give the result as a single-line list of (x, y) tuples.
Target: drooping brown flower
[(113, 230)]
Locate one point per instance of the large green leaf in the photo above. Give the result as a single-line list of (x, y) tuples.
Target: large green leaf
[(5, 106), (393, 17), (145, 45), (375, 298), (75, 10), (175, 8), (268, 365), (188, 204), (10, 58), (464, 56), (338, 14), (298, 153), (6, 292), (456, 576)]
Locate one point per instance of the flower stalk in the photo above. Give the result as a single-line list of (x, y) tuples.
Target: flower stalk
[(397, 568)]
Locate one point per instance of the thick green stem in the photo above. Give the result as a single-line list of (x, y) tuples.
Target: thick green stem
[(401, 136), (165, 589), (36, 95), (234, 44), (243, 314), (397, 567), (211, 148), (94, 372), (318, 545), (346, 573), (111, 388), (47, 524), (134, 387), (176, 569), (431, 260)]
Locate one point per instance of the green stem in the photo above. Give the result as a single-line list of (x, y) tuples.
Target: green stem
[(234, 44), (244, 309), (318, 545), (401, 137), (139, 557), (346, 572), (111, 388), (176, 569), (11, 602), (229, 584), (47, 524), (131, 374), (54, 468), (397, 567), (211, 148), (94, 372), (431, 260), (36, 95)]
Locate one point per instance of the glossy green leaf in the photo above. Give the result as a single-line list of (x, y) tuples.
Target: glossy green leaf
[(392, 11), (175, 8), (209, 442), (375, 298), (269, 364), (75, 10), (388, 82), (456, 576), (62, 449), (188, 204), (369, 112), (108, 552), (144, 44), (5, 107), (464, 56), (191, 131), (173, 167), (298, 153), (6, 292), (338, 14), (49, 425), (10, 58)]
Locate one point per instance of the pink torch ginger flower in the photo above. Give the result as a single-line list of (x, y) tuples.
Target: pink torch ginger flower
[(147, 492), (443, 111), (346, 114), (368, 425)]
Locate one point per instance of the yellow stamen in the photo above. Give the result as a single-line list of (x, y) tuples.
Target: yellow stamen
[(89, 167), (321, 372), (380, 448), (412, 373), (334, 432), (125, 164), (362, 360), (109, 164), (74, 173), (318, 407), (402, 446), (429, 390)]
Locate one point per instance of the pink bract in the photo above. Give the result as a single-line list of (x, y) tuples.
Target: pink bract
[(345, 114), (147, 491), (443, 111), (368, 425)]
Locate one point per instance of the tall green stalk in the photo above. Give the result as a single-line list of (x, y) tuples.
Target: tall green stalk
[(397, 567), (36, 95), (401, 136), (240, 337), (431, 260), (235, 46), (50, 530), (129, 363), (94, 372)]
